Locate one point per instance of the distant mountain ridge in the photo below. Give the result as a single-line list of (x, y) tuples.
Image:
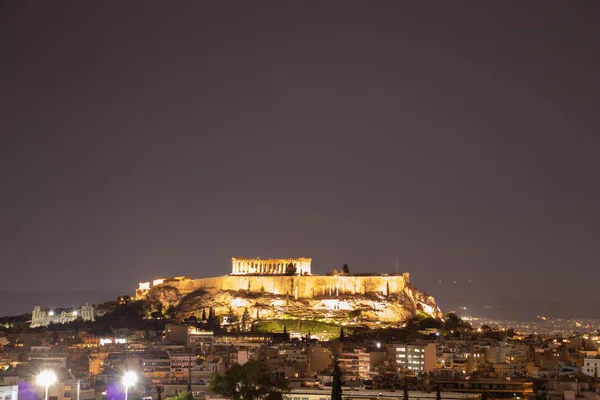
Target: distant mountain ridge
[(527, 310), (15, 303)]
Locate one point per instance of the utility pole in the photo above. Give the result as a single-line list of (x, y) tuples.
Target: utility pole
[(78, 387)]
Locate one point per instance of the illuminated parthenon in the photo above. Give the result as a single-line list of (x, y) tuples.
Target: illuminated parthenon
[(271, 266)]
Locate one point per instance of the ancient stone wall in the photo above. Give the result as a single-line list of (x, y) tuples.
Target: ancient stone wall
[(298, 286)]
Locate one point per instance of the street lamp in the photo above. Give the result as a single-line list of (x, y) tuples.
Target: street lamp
[(45, 379), (129, 379)]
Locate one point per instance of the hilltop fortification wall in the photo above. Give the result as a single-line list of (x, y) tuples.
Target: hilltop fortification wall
[(297, 286)]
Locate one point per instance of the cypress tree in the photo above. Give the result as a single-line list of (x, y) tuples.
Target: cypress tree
[(189, 382), (336, 382), (438, 393), (245, 319)]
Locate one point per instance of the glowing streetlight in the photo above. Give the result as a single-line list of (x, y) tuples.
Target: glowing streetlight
[(46, 379), (129, 379)]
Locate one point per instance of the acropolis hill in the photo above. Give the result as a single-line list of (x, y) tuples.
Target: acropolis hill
[(277, 288)]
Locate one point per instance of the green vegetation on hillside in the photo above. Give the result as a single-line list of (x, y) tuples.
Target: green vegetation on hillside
[(299, 325)]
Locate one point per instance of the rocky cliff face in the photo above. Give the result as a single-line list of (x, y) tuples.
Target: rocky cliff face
[(368, 309)]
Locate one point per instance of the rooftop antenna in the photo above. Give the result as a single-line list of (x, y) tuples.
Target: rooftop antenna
[(396, 266)]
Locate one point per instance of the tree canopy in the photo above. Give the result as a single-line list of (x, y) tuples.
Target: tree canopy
[(181, 396), (454, 322), (290, 269), (250, 381)]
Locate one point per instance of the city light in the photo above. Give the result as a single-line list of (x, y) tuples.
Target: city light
[(46, 379), (129, 379)]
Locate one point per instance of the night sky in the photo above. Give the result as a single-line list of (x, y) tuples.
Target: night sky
[(144, 139)]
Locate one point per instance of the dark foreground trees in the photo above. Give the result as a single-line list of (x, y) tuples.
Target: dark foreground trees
[(336, 382), (182, 396), (251, 381)]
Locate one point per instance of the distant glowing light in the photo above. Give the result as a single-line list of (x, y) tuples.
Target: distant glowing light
[(75, 313), (46, 378), (129, 379), (51, 313)]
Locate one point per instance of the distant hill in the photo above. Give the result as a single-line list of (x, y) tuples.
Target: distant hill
[(527, 310), (14, 303)]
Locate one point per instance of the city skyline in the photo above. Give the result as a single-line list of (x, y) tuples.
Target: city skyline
[(153, 141)]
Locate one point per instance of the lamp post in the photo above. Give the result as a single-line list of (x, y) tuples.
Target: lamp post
[(129, 379), (46, 379)]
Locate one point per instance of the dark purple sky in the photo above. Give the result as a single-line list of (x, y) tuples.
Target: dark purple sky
[(141, 140)]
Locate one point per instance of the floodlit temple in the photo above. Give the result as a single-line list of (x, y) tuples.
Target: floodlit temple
[(271, 266), (41, 317)]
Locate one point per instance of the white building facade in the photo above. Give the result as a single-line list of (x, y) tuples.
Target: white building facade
[(591, 367), (416, 358)]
